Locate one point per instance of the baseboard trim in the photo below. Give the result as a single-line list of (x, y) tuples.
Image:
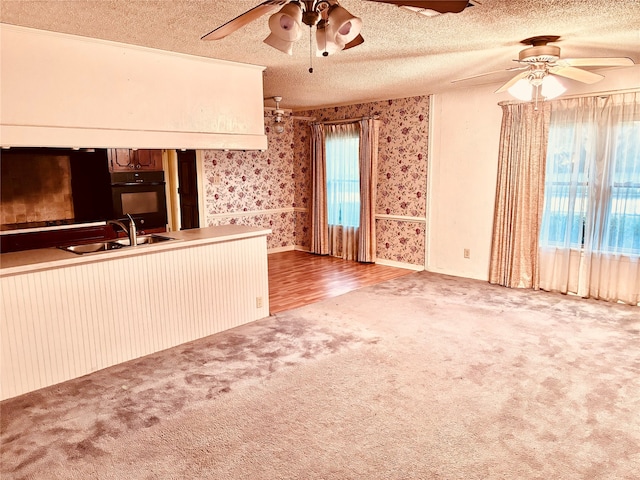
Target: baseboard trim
[(288, 248), (393, 263)]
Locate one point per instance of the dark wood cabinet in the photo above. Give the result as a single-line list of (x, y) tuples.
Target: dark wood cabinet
[(125, 160)]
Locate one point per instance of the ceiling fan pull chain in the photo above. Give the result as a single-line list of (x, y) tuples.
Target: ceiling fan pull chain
[(310, 50)]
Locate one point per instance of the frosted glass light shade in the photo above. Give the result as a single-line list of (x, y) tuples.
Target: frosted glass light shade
[(286, 23), (342, 26), (327, 44), (551, 87), (522, 89), (284, 46)]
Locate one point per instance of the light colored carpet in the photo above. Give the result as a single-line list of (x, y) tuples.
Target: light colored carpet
[(422, 377)]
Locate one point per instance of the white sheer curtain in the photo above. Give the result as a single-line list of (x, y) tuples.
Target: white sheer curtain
[(343, 189), (590, 233)]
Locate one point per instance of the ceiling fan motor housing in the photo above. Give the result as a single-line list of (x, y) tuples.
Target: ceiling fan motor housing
[(542, 53)]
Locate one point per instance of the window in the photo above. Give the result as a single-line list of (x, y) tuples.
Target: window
[(623, 219), (565, 191), (592, 183), (343, 175)]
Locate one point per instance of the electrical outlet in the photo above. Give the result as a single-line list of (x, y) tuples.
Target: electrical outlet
[(258, 302), (467, 253), (216, 179)]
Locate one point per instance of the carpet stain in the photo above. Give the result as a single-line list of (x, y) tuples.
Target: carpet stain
[(184, 376), (82, 449)]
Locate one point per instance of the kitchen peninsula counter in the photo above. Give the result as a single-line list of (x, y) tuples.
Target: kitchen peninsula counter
[(26, 261), (65, 315)]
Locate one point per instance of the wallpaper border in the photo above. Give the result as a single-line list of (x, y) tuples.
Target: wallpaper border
[(379, 216), (248, 213)]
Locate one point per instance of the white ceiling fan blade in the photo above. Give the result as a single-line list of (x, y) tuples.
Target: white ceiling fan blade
[(490, 73), (512, 82), (576, 74), (244, 19), (596, 62)]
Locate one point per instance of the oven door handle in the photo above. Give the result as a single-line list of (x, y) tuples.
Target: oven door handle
[(137, 184)]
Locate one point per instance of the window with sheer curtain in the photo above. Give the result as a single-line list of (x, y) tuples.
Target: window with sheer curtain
[(343, 189), (590, 232), (569, 195), (344, 163), (343, 176)]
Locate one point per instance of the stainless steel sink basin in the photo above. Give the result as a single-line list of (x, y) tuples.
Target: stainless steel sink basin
[(93, 247), (109, 245), (144, 240)]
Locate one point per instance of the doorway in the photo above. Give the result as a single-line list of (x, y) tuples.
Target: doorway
[(188, 189)]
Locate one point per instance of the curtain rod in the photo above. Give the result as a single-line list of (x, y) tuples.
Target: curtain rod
[(584, 95), (346, 120)]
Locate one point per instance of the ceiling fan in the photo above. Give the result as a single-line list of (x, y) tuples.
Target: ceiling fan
[(336, 29), (541, 62), (278, 115)]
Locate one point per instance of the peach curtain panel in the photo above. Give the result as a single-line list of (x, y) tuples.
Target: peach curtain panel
[(319, 223), (369, 131), (519, 196)]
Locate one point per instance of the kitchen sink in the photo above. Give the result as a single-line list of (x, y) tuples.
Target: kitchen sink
[(93, 247), (109, 245), (144, 240)]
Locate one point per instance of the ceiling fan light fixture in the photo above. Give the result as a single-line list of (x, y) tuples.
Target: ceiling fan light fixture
[(342, 26), (326, 44), (552, 87), (522, 90), (284, 46), (286, 23)]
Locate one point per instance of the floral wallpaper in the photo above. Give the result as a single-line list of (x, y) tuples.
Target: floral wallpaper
[(281, 224), (260, 183), (401, 241), (402, 171), (274, 187)]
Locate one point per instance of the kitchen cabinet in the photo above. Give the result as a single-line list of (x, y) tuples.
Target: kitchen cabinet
[(125, 160)]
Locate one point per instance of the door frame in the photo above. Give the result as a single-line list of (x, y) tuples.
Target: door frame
[(170, 164)]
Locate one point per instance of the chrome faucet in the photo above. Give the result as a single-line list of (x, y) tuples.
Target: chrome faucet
[(131, 232)]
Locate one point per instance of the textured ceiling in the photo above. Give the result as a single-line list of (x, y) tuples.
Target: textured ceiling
[(404, 53)]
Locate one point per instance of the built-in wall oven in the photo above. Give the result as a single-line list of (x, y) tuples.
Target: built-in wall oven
[(142, 195)]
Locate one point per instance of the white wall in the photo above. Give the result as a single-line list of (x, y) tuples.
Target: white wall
[(61, 90), (463, 168)]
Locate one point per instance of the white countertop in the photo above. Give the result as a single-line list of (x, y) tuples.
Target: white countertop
[(15, 263)]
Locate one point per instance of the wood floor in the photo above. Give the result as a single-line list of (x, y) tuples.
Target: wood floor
[(300, 278)]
